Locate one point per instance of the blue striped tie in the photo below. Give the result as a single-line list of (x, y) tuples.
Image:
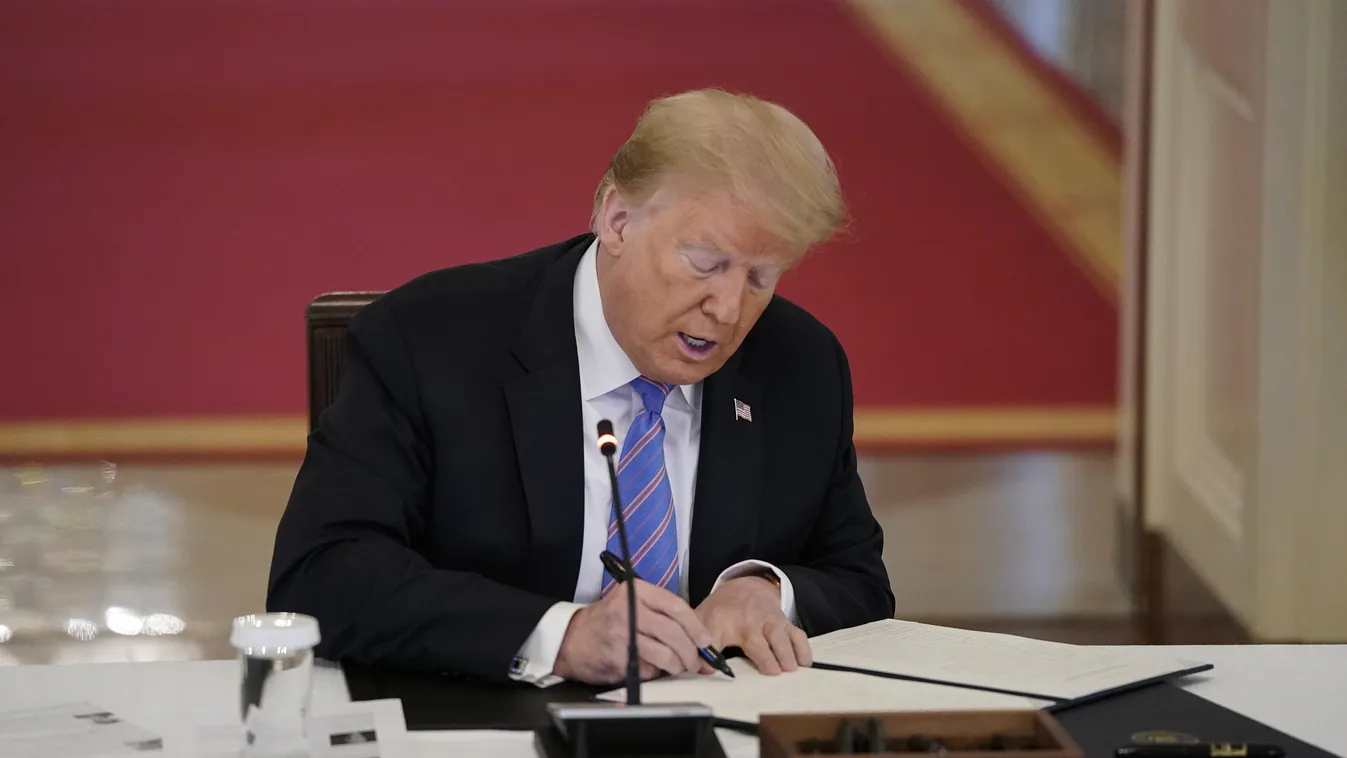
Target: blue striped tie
[(643, 482)]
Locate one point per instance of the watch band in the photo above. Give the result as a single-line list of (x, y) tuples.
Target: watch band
[(765, 573)]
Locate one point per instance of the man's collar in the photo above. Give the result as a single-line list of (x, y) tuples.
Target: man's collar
[(603, 365)]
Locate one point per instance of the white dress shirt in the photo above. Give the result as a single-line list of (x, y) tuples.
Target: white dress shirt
[(605, 392)]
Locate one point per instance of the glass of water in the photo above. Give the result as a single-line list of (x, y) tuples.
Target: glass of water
[(275, 652)]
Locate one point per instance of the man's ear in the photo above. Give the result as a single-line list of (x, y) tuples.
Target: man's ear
[(613, 221)]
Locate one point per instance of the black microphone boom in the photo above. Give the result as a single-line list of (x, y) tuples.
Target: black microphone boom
[(600, 729), (608, 446)]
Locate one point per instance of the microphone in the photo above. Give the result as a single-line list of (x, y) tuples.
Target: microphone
[(621, 730), (608, 446)]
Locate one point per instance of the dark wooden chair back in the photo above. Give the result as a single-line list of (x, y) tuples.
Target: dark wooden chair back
[(327, 318)]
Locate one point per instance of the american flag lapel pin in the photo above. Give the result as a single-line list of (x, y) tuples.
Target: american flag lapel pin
[(742, 411)]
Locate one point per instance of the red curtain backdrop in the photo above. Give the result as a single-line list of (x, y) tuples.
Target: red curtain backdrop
[(180, 178)]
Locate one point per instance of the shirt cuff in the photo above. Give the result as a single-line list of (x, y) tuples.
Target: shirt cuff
[(744, 568), (538, 655)]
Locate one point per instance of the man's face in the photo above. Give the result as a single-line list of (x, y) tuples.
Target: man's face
[(683, 278)]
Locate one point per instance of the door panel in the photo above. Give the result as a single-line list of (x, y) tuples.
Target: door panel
[(1244, 359), (1230, 38), (1205, 253)]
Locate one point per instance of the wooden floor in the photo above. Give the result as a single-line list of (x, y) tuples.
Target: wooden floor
[(146, 562)]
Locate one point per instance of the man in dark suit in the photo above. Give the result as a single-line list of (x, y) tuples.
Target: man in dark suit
[(452, 506)]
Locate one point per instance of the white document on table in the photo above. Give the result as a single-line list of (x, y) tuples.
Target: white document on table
[(473, 743), (1002, 661), (362, 729), (81, 729), (469, 743), (811, 690)]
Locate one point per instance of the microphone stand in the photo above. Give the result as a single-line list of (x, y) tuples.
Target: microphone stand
[(600, 729), (633, 655)]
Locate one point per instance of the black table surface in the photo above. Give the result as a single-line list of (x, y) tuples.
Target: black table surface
[(1165, 710), (432, 701), (448, 702)]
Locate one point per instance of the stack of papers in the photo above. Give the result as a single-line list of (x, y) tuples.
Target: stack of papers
[(905, 666), (814, 690), (1049, 670)]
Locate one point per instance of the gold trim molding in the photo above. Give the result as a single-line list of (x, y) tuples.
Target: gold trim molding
[(1066, 175), (287, 435), (112, 437), (1003, 425)]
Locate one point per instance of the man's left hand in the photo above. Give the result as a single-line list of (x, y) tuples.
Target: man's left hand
[(746, 612)]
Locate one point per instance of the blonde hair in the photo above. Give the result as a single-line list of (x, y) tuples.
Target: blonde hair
[(764, 155)]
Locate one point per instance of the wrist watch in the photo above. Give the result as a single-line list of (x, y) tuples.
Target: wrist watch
[(765, 573)]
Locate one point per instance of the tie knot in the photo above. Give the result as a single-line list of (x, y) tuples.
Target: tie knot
[(653, 393)]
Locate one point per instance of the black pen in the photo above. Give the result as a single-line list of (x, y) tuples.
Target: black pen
[(618, 570), (1203, 749)]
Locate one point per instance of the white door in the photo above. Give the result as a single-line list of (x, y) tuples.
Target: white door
[(1237, 477)]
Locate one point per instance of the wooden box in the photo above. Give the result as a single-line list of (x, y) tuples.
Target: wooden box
[(964, 734)]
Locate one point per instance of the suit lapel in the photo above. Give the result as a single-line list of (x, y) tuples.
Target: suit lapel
[(729, 478), (548, 427)]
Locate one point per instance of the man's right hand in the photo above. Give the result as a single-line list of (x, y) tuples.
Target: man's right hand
[(594, 649)]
